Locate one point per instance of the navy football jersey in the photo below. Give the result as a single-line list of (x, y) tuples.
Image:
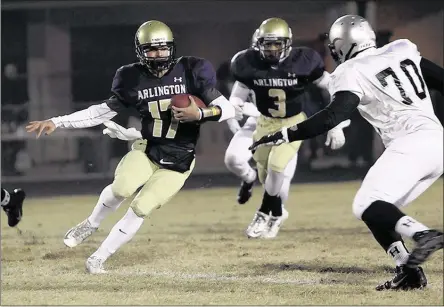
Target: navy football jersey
[(134, 86), (280, 90)]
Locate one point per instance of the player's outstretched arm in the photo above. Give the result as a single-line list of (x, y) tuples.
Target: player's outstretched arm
[(340, 109), (433, 75), (92, 116)]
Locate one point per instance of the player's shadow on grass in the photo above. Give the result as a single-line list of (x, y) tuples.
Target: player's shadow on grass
[(316, 268)]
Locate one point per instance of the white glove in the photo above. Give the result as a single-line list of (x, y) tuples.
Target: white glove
[(114, 130), (239, 113), (238, 105), (233, 124), (249, 109), (335, 137)]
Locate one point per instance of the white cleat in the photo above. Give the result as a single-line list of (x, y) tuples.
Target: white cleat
[(274, 225), (94, 265), (78, 233), (258, 225)]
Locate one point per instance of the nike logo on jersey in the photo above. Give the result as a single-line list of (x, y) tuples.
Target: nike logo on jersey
[(165, 162)]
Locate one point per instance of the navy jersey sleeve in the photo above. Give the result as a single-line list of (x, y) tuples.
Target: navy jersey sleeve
[(123, 95), (204, 81), (316, 64), (237, 67)]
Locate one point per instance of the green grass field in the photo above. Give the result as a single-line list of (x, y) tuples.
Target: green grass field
[(193, 251)]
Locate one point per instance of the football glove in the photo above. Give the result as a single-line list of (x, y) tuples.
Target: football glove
[(274, 139), (335, 137), (114, 130)]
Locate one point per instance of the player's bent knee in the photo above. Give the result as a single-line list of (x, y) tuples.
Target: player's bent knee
[(230, 159), (143, 207), (121, 188), (360, 204)]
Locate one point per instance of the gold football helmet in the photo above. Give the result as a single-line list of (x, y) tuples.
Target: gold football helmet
[(274, 40), (254, 40), (151, 36)]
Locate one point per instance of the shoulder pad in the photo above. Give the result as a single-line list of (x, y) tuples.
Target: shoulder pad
[(239, 62)]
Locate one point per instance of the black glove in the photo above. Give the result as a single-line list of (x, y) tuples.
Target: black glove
[(271, 139)]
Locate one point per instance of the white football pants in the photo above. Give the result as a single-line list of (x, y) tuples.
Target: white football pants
[(408, 167), (237, 155)]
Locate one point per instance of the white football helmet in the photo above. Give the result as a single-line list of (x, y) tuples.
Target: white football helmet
[(349, 35)]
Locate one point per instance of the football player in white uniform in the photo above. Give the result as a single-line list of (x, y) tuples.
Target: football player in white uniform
[(388, 87), (237, 155)]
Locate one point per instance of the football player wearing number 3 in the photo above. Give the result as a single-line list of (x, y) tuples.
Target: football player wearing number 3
[(278, 74), (388, 86), (161, 161)]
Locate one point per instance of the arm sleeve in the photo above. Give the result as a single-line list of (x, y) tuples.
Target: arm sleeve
[(93, 116), (433, 75), (340, 109), (226, 109)]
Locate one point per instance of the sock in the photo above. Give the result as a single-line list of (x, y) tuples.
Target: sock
[(250, 176), (276, 207), (5, 198), (398, 252), (122, 232), (106, 204), (383, 215), (408, 226), (271, 203), (384, 237)]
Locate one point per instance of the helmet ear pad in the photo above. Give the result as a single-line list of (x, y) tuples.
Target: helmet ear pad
[(156, 65), (274, 56)]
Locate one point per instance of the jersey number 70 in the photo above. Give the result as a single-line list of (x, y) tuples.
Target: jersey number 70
[(382, 76)]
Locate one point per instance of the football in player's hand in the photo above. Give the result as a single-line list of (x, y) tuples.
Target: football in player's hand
[(183, 101)]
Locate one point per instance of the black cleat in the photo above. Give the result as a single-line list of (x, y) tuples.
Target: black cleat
[(405, 279), (245, 192), (14, 210), (427, 242)]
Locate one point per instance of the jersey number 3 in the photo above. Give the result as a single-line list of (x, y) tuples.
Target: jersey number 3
[(382, 76), (155, 107), (280, 97)]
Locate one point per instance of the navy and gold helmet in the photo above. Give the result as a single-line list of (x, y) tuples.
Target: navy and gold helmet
[(151, 36), (274, 40)]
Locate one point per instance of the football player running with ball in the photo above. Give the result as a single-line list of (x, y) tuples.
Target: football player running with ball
[(389, 87), (278, 74), (166, 152)]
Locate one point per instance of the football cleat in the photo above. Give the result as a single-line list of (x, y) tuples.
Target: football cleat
[(94, 265), (14, 209), (405, 279), (274, 225), (79, 233), (258, 225), (245, 192), (427, 242)]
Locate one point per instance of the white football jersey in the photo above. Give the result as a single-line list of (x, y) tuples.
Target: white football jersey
[(389, 82)]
